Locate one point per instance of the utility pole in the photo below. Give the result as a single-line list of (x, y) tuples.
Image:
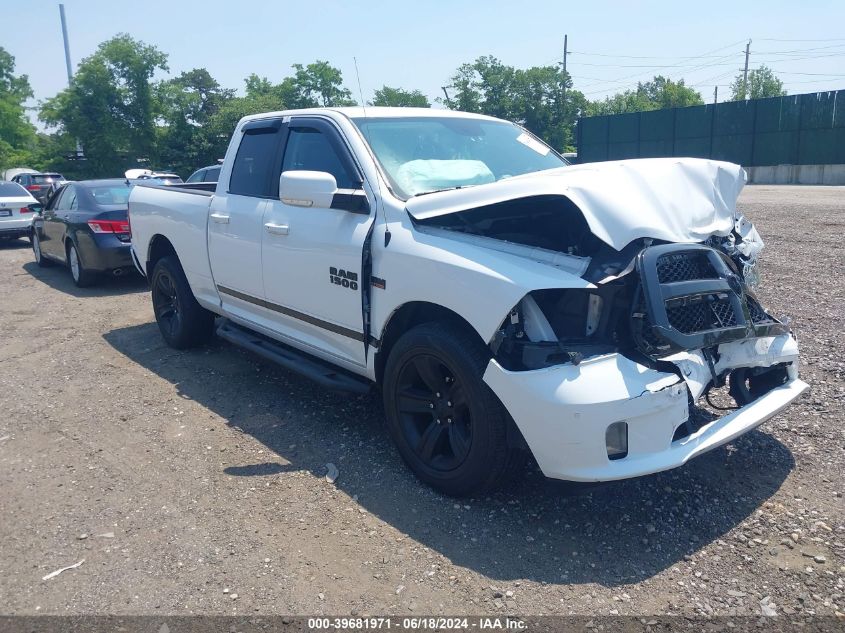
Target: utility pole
[(448, 100), (565, 53), (745, 71), (715, 94), (67, 44), (79, 153)]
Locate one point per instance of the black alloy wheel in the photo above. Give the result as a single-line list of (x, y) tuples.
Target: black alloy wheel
[(434, 413), (183, 322), (448, 425), (166, 304)]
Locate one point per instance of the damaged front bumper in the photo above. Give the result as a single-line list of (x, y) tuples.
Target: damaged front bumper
[(564, 411)]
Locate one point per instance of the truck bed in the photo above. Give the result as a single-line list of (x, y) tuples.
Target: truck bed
[(180, 214)]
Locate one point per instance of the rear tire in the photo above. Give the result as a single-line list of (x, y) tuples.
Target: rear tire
[(81, 276), (183, 322), (449, 427), (42, 261)]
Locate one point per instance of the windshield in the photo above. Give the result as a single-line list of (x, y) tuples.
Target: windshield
[(424, 154)]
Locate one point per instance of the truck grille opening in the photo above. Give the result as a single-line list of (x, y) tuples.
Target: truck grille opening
[(711, 313), (684, 267), (690, 296)]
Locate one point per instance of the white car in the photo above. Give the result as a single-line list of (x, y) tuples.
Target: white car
[(17, 209), (504, 302)]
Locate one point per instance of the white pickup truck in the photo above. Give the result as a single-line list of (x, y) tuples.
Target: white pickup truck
[(506, 303)]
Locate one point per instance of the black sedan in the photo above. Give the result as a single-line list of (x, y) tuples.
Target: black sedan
[(85, 226)]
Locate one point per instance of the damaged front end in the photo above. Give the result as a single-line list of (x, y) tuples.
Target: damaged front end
[(669, 299), (632, 356), (605, 378)]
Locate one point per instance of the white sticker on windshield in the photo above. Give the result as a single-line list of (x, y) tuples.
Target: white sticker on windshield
[(529, 141)]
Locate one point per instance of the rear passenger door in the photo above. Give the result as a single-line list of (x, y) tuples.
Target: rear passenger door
[(235, 223), (312, 268), (54, 224)]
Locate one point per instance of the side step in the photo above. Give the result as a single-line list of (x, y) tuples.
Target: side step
[(292, 359)]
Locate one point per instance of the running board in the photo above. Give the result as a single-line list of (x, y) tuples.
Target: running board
[(292, 359)]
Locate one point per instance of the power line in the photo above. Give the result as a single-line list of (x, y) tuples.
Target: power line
[(613, 55), (774, 39)]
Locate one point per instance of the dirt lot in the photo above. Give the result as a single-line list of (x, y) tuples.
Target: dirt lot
[(194, 482)]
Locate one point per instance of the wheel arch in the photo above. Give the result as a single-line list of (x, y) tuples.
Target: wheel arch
[(159, 247), (407, 316)]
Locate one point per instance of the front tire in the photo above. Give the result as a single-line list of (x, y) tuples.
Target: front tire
[(81, 276), (449, 427), (183, 322)]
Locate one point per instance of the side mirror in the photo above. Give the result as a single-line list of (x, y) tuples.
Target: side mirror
[(37, 207), (307, 188)]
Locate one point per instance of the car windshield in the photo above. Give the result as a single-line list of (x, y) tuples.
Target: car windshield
[(424, 154), (12, 190)]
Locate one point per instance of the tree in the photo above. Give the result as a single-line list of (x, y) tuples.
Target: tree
[(762, 83), (17, 134), (186, 105), (109, 105), (657, 94), (399, 98), (533, 97), (317, 84)]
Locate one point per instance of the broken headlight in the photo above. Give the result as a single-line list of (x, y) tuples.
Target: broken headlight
[(552, 327)]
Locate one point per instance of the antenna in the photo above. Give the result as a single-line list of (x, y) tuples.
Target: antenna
[(360, 92)]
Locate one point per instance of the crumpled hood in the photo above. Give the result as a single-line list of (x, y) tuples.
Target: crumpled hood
[(671, 199)]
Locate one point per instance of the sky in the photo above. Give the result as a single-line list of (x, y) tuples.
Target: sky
[(418, 45)]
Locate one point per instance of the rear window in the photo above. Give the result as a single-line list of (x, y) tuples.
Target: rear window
[(254, 162), (41, 179), (12, 190), (118, 194)]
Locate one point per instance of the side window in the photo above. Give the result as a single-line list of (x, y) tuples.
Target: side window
[(67, 200), (309, 149), (212, 174), (196, 176), (254, 162), (53, 202)]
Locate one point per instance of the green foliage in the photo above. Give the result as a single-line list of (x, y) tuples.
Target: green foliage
[(187, 104), (399, 98), (657, 94), (533, 97), (17, 134), (110, 106), (317, 84), (762, 83)]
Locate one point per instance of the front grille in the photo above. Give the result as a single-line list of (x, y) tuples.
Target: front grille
[(690, 297), (710, 313), (684, 267), (689, 318), (758, 314)]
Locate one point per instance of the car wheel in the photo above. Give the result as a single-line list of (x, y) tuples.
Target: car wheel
[(82, 277), (449, 427), (36, 250), (183, 322)]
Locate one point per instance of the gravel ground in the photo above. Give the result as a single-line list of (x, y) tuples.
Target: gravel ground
[(193, 482)]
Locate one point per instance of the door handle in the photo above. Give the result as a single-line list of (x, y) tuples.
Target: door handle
[(277, 229), (220, 218)]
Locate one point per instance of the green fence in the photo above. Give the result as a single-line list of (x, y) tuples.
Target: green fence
[(806, 129)]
